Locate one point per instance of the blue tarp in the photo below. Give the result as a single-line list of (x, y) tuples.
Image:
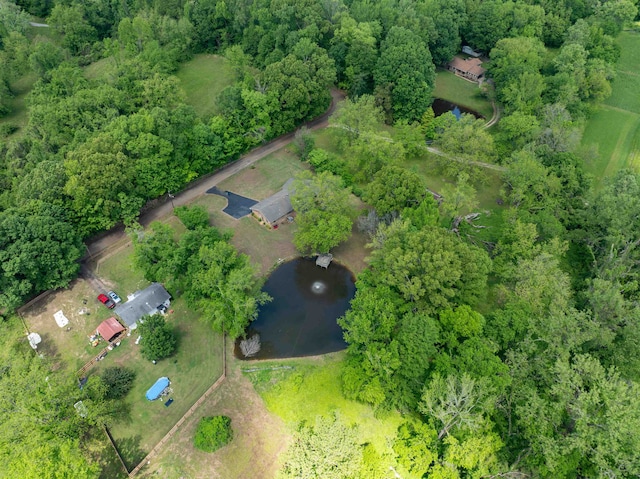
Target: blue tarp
[(155, 391)]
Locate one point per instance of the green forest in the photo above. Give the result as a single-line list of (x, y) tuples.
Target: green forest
[(509, 342)]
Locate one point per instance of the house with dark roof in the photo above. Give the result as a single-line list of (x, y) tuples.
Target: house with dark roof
[(470, 68), (151, 300), (276, 208)]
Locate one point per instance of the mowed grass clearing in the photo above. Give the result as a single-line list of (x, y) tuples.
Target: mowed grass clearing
[(203, 78), (195, 366), (462, 92), (267, 247), (614, 130), (18, 117)]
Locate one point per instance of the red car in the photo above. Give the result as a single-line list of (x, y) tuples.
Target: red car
[(108, 302)]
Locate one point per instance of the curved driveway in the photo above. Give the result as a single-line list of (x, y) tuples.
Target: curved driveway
[(199, 187)]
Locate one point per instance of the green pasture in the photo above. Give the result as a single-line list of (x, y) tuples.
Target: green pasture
[(462, 92), (18, 114), (100, 69), (314, 387), (613, 131), (202, 79), (615, 136)]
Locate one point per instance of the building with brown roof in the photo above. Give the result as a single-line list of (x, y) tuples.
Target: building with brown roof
[(471, 68), (109, 328)]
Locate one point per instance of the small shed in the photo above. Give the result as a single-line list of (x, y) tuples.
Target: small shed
[(109, 328), (274, 209), (151, 300), (157, 389), (470, 68)]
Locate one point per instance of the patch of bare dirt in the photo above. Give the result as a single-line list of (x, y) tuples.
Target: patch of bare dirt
[(259, 438)]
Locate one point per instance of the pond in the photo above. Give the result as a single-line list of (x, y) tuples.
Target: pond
[(301, 318), (441, 106)]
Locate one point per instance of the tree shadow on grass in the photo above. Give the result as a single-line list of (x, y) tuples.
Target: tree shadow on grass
[(130, 451)]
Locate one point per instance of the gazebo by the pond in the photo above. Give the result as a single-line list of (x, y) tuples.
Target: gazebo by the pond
[(324, 260)]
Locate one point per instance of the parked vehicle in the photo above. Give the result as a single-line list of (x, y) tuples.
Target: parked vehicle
[(116, 299), (108, 302)]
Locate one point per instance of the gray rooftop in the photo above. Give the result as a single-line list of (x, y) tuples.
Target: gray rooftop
[(143, 303), (276, 206)]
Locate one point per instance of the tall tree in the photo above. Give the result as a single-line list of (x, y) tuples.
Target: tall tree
[(327, 449), (406, 69), (38, 251), (324, 212)]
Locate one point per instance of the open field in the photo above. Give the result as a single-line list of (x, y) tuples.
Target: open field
[(462, 92), (613, 131), (100, 69), (202, 79), (314, 387)]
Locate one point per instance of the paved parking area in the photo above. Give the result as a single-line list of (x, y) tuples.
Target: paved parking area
[(237, 206)]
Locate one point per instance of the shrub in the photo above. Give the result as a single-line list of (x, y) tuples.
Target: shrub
[(193, 217), (119, 381), (213, 433)]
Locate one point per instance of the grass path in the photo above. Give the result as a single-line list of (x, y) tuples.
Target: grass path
[(613, 132)]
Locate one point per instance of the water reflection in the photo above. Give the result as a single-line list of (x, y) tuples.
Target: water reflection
[(301, 319)]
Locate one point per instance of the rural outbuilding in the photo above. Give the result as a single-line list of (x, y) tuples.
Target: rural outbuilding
[(151, 300), (109, 328), (276, 208), (157, 389)]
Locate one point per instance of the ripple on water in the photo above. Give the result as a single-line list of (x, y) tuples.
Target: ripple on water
[(301, 320)]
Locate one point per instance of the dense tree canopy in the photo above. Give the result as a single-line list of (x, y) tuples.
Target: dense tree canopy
[(512, 344)]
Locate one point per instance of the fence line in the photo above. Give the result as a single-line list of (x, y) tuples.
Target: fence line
[(187, 414), (84, 368), (113, 444)]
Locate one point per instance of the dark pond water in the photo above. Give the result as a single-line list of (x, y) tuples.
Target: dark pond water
[(301, 319), (442, 106)]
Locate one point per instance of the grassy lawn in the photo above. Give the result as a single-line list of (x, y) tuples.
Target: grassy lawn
[(100, 69), (614, 130), (615, 135), (18, 115), (69, 345), (202, 79), (462, 92), (313, 387), (195, 366), (266, 247), (259, 437)]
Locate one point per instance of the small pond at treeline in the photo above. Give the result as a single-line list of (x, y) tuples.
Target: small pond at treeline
[(301, 319), (442, 106)]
